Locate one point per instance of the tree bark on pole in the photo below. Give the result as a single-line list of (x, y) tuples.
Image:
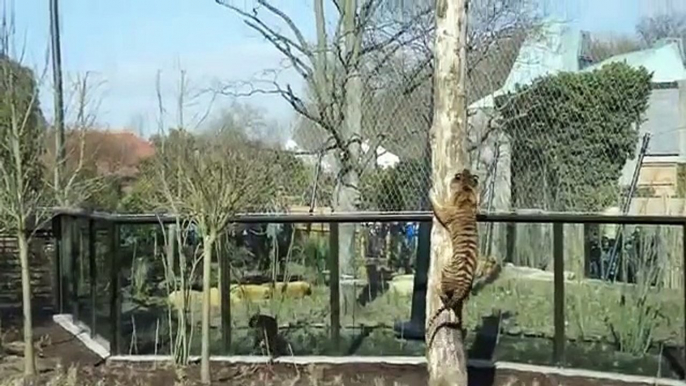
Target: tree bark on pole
[(347, 190), (446, 359)]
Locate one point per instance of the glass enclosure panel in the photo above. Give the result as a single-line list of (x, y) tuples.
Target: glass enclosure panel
[(623, 290), (103, 283), (624, 298), (144, 290)]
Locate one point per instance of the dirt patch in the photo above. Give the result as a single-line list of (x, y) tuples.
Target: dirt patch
[(59, 345), (319, 375), (63, 351)]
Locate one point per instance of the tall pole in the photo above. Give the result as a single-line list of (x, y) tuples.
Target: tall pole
[(446, 357), (58, 97)]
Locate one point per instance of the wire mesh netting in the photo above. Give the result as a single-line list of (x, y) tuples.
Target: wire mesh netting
[(558, 117)]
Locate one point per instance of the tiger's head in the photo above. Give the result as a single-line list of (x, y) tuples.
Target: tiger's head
[(464, 188)]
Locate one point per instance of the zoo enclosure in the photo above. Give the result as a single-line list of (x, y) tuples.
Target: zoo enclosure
[(69, 284)]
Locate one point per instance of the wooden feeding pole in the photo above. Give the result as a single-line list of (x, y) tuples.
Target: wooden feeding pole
[(446, 358)]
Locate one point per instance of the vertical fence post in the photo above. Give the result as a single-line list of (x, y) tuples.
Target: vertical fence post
[(423, 260), (92, 275), (58, 303), (588, 243), (74, 258), (115, 289), (225, 296), (414, 328), (510, 242), (334, 286), (683, 284), (559, 293)]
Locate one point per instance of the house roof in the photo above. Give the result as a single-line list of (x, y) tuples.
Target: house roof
[(665, 59), (118, 152), (555, 47)]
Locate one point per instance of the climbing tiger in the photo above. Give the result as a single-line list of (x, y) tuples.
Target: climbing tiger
[(459, 219)]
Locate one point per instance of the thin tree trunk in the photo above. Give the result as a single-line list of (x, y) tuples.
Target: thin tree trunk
[(346, 198), (208, 244), (446, 357), (348, 192), (321, 73), (185, 329), (29, 359)]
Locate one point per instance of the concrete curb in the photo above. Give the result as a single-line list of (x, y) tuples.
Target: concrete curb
[(101, 347)]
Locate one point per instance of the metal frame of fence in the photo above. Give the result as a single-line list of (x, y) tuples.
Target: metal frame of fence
[(114, 221)]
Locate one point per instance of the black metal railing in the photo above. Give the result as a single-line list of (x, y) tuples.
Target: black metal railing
[(66, 295)]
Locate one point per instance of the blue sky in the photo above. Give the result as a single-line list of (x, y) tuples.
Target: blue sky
[(124, 43)]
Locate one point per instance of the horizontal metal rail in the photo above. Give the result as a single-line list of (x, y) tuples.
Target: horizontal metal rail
[(116, 221), (527, 216)]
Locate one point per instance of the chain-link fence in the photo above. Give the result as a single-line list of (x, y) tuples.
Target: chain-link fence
[(560, 119), (556, 114)]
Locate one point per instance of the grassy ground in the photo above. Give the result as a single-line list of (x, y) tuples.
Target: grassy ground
[(593, 309), (607, 315)]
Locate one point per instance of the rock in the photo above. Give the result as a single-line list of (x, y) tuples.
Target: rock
[(46, 364), (13, 364), (15, 348)]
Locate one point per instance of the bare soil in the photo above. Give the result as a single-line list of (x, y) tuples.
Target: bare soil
[(63, 351)]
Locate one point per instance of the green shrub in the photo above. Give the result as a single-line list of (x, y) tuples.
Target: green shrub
[(571, 135)]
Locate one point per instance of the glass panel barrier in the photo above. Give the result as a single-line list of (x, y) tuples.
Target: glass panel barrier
[(614, 303)]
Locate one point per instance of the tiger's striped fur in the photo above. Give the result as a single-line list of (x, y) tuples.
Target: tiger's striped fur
[(459, 219)]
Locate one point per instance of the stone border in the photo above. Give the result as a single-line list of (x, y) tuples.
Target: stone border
[(100, 346), (97, 344)]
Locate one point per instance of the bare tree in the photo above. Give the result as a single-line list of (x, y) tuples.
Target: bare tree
[(399, 83), (208, 179), (78, 178), (667, 25), (331, 70), (22, 129), (608, 45), (249, 122), (496, 31), (445, 354), (219, 180)]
